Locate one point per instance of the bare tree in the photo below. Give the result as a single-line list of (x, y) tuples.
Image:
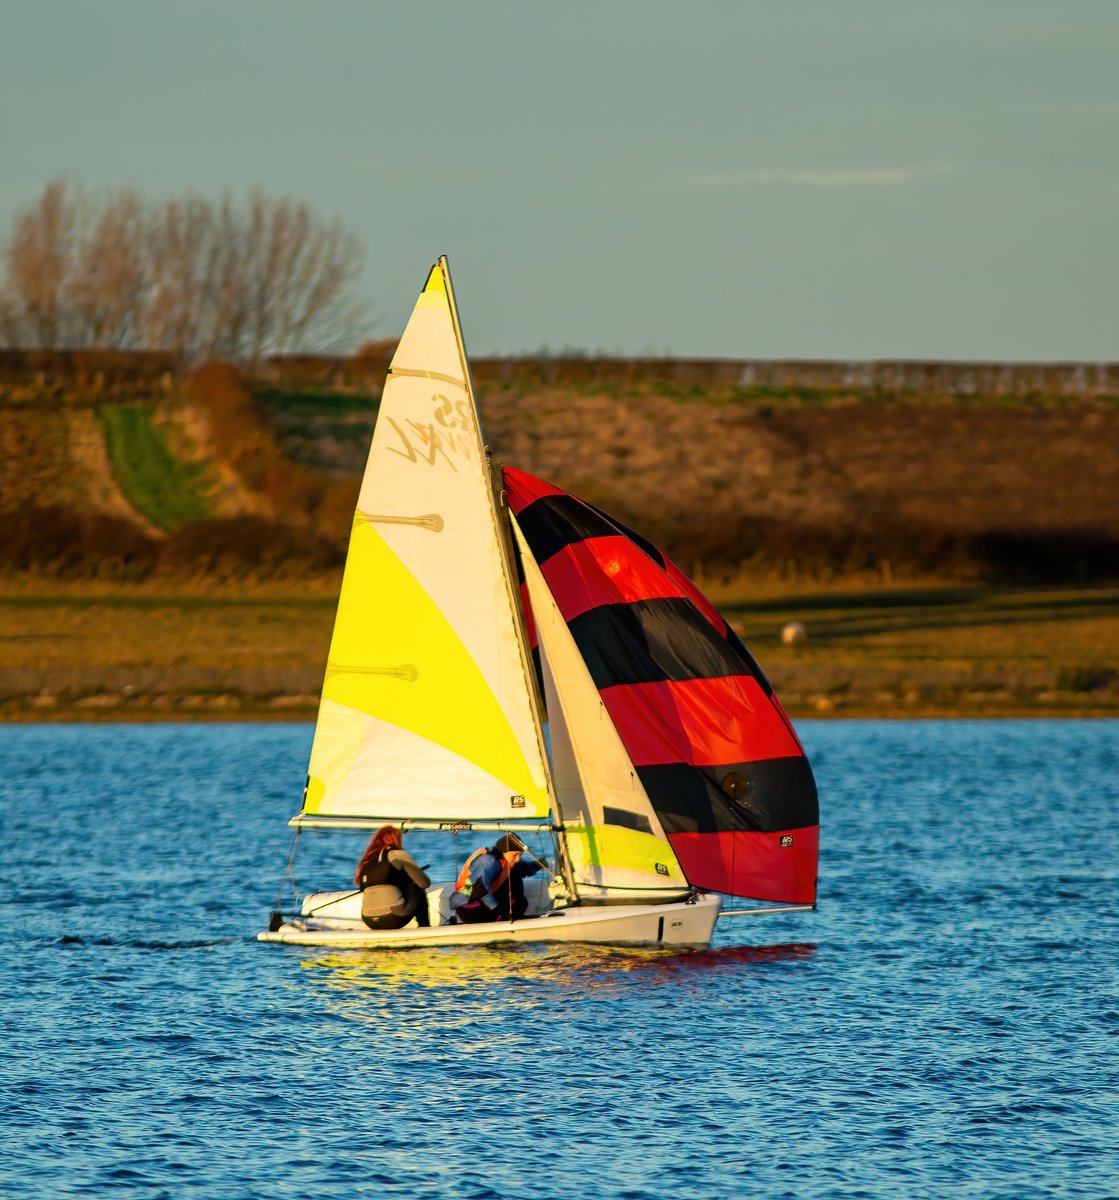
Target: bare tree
[(109, 279), (39, 263), (299, 274), (179, 251), (199, 280), (227, 301)]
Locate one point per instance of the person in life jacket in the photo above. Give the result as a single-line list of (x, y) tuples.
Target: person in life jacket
[(492, 882), (393, 888)]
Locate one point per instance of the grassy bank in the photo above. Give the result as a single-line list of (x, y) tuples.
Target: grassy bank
[(145, 653), (169, 493)]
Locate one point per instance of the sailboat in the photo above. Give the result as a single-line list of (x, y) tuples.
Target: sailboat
[(507, 657)]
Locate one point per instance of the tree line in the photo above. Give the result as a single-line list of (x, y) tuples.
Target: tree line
[(200, 279)]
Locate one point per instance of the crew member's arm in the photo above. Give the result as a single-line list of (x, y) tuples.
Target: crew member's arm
[(490, 874), (403, 860)]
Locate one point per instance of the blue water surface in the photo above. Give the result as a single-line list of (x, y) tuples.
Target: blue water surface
[(945, 1025)]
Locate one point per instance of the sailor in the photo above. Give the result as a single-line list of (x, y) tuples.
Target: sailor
[(393, 888), (493, 882)]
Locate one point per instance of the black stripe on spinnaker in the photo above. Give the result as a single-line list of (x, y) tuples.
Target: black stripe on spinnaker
[(647, 641), (553, 522), (642, 543), (743, 651), (771, 795)]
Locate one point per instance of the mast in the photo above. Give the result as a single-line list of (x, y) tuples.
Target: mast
[(503, 534)]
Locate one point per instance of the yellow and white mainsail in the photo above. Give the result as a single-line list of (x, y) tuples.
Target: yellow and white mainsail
[(617, 850), (427, 710)]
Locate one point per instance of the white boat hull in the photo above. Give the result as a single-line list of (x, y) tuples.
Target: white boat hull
[(685, 924)]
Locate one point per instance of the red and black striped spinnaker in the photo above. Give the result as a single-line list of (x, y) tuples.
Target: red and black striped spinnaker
[(711, 744)]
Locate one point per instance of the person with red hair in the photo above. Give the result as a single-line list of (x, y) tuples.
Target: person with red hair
[(393, 888)]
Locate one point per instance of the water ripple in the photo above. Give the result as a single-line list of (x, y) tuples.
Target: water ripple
[(944, 1026)]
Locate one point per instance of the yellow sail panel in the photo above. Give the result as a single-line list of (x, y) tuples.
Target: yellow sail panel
[(436, 285), (606, 850), (395, 657), (616, 844)]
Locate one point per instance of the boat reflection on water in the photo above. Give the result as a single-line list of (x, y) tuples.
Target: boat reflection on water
[(489, 969)]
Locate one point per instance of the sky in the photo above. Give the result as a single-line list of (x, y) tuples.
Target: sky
[(842, 179)]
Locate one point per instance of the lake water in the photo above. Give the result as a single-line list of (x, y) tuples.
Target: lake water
[(945, 1025)]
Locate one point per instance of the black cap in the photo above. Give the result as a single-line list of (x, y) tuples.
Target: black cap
[(507, 842)]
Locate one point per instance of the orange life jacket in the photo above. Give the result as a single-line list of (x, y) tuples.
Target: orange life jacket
[(463, 884)]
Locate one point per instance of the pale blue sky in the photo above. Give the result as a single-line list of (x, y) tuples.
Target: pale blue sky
[(847, 178)]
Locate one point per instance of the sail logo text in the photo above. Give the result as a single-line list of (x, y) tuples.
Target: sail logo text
[(422, 440)]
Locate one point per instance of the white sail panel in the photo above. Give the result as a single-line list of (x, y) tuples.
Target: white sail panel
[(425, 638), (616, 845), (378, 768)]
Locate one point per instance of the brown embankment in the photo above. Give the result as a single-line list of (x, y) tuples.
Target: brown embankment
[(897, 509), (805, 470)]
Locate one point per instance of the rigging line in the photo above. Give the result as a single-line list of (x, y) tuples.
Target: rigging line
[(617, 887), (757, 912), (276, 917), (734, 840), (553, 873), (289, 871), (543, 862), (336, 900)]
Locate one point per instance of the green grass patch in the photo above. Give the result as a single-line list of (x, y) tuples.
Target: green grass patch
[(279, 404), (326, 432), (168, 492)]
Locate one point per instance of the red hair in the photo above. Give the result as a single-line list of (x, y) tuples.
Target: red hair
[(388, 837)]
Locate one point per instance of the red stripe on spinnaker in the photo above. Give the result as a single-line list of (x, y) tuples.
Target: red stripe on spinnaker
[(752, 864), (604, 570), (523, 489), (703, 722)]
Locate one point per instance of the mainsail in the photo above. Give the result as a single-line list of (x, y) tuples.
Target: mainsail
[(427, 710), (709, 742)]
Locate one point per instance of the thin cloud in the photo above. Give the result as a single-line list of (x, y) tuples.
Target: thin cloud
[(873, 177)]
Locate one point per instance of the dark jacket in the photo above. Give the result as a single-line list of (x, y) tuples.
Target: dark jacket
[(392, 884)]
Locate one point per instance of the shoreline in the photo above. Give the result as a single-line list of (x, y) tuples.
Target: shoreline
[(930, 650), (216, 710)]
